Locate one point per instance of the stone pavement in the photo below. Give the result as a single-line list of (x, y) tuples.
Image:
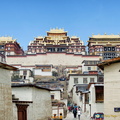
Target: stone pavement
[(71, 117)]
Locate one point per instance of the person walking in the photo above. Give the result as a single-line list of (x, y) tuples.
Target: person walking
[(79, 113), (75, 108), (75, 112), (79, 108), (61, 117)]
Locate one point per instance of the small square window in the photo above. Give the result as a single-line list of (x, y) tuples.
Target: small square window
[(8, 48), (105, 48), (113, 48), (25, 72), (109, 48), (75, 80), (52, 96), (92, 80), (89, 68), (84, 80)]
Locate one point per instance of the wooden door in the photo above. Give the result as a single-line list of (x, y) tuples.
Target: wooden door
[(22, 111)]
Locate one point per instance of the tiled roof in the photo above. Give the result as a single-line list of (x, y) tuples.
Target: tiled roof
[(108, 62), (6, 66), (29, 85)]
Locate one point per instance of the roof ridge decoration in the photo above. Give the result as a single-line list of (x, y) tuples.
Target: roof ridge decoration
[(57, 30), (105, 36)]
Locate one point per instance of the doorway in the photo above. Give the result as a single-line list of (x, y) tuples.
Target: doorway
[(22, 111)]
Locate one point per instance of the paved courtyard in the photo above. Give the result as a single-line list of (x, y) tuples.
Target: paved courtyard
[(71, 117)]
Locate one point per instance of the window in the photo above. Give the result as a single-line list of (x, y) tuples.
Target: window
[(100, 79), (84, 80), (117, 49), (89, 68), (105, 48), (8, 53), (118, 54), (99, 94), (8, 48), (86, 62), (90, 62), (97, 49), (109, 48), (92, 80), (100, 49), (25, 72), (52, 97), (75, 80), (113, 48), (1, 47)]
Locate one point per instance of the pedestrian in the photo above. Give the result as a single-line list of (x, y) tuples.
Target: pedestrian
[(79, 113), (75, 112), (72, 107), (61, 117), (79, 108), (75, 106), (69, 108)]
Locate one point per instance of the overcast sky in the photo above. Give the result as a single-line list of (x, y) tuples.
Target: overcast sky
[(25, 19)]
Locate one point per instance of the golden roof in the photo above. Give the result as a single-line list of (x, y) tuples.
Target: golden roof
[(56, 30), (74, 37), (105, 36), (39, 37), (7, 38)]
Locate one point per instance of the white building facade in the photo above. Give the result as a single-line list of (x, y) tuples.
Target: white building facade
[(111, 88), (36, 101), (81, 79), (50, 58)]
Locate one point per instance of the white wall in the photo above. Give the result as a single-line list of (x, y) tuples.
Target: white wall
[(95, 107), (42, 108), (23, 93), (56, 94), (40, 72), (80, 80), (50, 58), (29, 78), (76, 97), (40, 98), (27, 74), (93, 68), (112, 91)]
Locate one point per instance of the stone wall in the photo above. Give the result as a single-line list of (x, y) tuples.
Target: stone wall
[(6, 112)]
